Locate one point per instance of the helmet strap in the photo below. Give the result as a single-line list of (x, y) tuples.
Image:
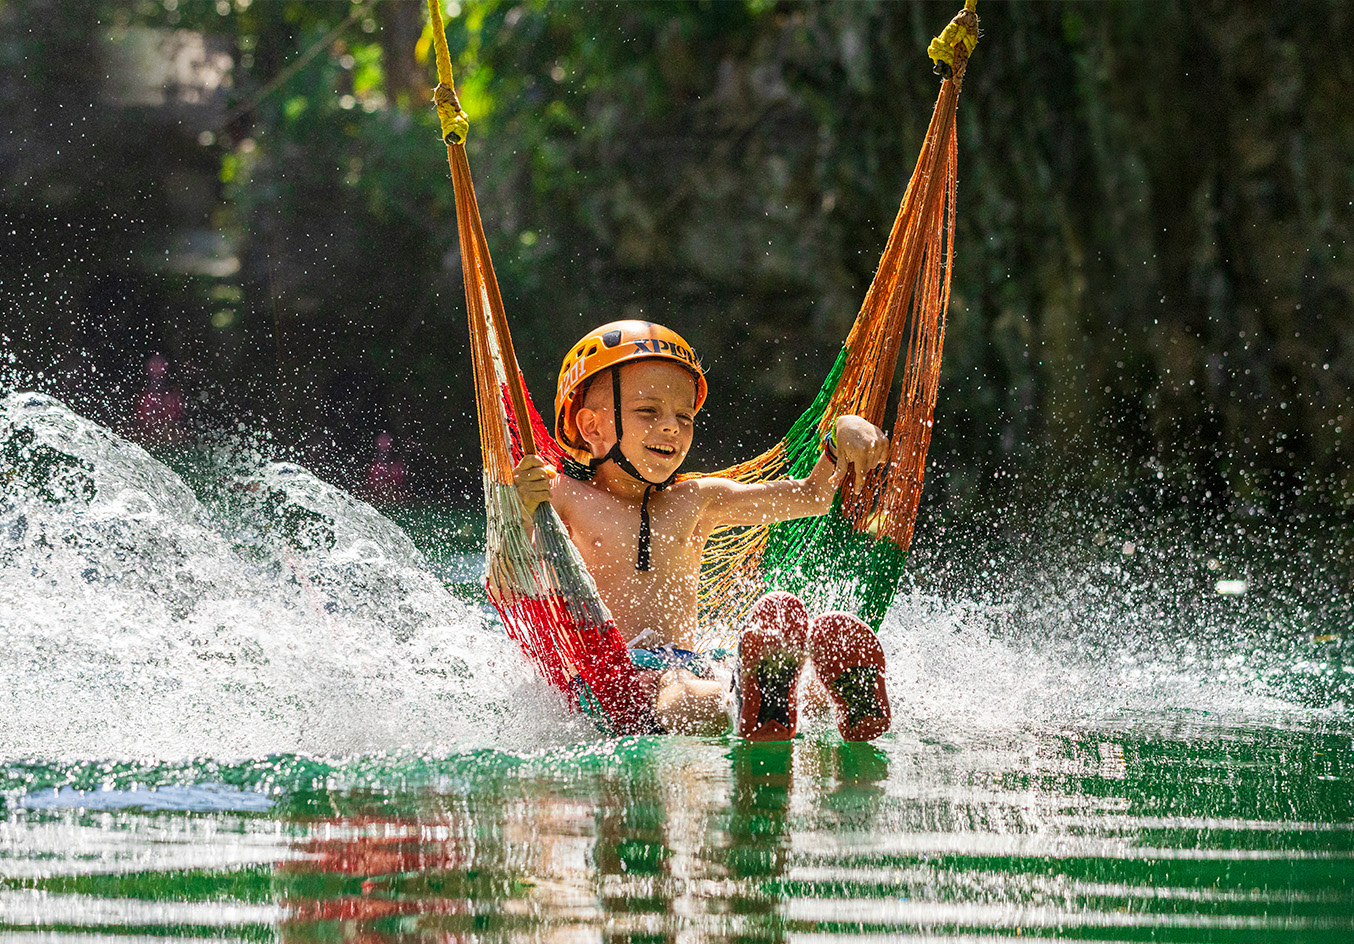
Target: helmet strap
[(615, 455)]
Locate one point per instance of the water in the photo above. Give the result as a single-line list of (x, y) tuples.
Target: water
[(255, 709)]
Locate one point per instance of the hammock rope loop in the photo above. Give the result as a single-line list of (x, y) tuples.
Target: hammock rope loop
[(951, 49), (455, 123)]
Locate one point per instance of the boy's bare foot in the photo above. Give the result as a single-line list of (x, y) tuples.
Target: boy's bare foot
[(850, 662), (771, 653)]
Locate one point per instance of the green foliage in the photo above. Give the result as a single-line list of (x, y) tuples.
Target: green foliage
[(1153, 276)]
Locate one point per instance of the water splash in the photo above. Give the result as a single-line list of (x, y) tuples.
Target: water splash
[(271, 613), (1066, 624), (294, 619)]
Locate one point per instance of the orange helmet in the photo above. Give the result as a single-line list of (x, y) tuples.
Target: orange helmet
[(607, 346)]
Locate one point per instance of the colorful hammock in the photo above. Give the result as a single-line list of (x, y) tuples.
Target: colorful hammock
[(850, 558)]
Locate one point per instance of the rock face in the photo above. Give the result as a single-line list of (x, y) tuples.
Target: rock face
[(1153, 245)]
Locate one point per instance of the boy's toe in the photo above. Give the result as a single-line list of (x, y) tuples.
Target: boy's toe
[(783, 614)]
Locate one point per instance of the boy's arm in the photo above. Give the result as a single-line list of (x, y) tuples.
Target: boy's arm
[(860, 447)]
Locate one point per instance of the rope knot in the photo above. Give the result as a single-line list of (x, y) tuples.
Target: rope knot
[(951, 49), (455, 124)]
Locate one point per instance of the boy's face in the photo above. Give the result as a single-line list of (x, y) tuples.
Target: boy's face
[(658, 413)]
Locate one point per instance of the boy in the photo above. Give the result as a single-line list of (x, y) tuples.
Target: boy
[(625, 407)]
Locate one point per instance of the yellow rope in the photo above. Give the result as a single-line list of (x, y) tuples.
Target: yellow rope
[(951, 49), (455, 124)]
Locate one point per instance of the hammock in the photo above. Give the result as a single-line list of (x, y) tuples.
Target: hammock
[(849, 558)]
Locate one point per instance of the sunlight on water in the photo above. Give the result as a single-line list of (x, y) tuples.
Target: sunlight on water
[(257, 711)]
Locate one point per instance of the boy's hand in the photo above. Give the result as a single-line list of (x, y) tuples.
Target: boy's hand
[(532, 478), (861, 446)]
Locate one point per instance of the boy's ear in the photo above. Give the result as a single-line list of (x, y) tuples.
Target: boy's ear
[(589, 423)]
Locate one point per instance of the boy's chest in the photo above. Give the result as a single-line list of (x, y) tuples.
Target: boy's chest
[(606, 530)]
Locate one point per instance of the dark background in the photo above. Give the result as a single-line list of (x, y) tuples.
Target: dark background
[(1153, 285)]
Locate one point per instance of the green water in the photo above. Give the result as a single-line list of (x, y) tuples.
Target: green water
[(1109, 724), (1165, 829)]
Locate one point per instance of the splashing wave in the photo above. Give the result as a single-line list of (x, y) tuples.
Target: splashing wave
[(295, 619), (282, 616)]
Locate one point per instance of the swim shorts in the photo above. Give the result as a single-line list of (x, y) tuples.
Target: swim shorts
[(670, 657)]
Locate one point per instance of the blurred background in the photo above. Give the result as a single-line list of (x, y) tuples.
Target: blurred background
[(233, 215)]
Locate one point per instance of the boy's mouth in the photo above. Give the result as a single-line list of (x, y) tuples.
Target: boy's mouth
[(667, 452)]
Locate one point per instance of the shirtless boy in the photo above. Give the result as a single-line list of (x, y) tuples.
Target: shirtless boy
[(626, 405)]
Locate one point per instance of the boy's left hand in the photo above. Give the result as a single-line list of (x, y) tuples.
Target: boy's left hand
[(861, 446)]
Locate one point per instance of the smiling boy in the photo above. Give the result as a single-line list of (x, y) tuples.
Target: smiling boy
[(626, 404)]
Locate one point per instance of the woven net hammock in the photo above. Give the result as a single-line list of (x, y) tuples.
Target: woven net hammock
[(850, 558)]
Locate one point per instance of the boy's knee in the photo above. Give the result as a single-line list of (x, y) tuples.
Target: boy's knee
[(685, 704)]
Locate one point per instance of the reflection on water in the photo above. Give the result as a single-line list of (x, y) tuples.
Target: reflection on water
[(1162, 830)]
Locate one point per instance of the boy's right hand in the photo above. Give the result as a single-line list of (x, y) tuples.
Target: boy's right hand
[(532, 478)]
